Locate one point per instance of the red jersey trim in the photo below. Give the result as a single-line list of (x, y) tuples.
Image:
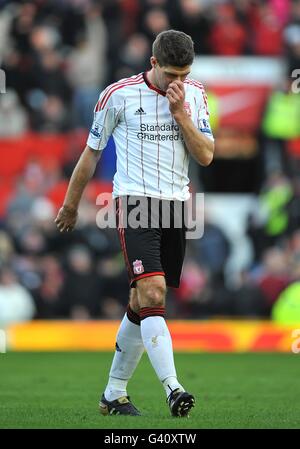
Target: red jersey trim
[(118, 83), (161, 92), (158, 273), (201, 87), (101, 103), (194, 83)]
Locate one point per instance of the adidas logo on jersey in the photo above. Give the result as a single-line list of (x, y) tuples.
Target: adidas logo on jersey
[(140, 111)]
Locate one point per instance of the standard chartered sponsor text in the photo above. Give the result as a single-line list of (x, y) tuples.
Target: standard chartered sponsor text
[(153, 132)]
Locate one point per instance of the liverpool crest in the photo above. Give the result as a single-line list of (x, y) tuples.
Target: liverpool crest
[(138, 267)]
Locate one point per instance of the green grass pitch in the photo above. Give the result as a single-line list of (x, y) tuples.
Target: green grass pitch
[(61, 390)]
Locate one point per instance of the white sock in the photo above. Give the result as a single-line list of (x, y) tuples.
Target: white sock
[(158, 344), (129, 350)]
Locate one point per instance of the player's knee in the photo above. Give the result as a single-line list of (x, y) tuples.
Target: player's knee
[(153, 293), (154, 296)]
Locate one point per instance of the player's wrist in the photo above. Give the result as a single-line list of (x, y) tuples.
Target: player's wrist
[(70, 209), (180, 116)]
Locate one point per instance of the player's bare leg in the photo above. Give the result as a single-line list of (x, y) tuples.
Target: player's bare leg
[(158, 343)]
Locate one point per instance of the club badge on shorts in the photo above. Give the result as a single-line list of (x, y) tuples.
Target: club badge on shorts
[(138, 267)]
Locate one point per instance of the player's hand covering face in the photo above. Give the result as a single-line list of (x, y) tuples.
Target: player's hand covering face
[(176, 95), (66, 219)]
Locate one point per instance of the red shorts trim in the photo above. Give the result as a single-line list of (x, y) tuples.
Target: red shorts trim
[(158, 273)]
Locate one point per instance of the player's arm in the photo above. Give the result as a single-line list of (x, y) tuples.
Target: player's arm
[(83, 172), (200, 146)]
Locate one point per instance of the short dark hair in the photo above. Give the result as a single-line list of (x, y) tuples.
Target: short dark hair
[(173, 48)]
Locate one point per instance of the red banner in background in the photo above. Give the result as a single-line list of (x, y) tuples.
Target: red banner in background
[(238, 90), (240, 107), (197, 336), (51, 152)]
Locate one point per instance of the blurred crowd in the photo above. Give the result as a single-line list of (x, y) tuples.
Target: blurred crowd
[(58, 55)]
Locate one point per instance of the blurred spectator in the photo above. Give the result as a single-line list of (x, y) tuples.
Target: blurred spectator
[(295, 244), (281, 119), (32, 241), (48, 295), (19, 74), (130, 12), (192, 17), (227, 37), (281, 9), (50, 114), (193, 282), (202, 295), (16, 304), (213, 249), (49, 68), (5, 24), (248, 299), (113, 19), (155, 21), (31, 188), (22, 25), (87, 65), (286, 310), (294, 207), (274, 276), (266, 30), (13, 118), (6, 248), (27, 268), (275, 216), (44, 39), (274, 199), (114, 278), (82, 286), (134, 56), (111, 309)]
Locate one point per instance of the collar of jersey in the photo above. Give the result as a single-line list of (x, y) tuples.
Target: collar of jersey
[(151, 86)]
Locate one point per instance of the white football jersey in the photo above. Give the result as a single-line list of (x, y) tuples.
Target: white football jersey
[(152, 159)]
